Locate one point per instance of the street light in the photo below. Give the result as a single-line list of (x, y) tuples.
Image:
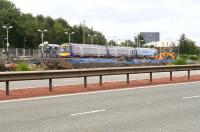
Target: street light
[(92, 37), (24, 45), (7, 29), (140, 41), (67, 33), (42, 36)]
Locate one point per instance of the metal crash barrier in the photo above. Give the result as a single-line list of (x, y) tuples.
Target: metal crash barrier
[(55, 74)]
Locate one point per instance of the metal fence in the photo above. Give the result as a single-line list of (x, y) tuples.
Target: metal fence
[(20, 52)]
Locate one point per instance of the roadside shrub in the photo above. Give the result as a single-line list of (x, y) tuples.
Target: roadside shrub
[(179, 62), (22, 67), (2, 67), (193, 57), (55, 64), (184, 56)]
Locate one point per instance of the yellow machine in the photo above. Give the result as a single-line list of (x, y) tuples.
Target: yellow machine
[(166, 55)]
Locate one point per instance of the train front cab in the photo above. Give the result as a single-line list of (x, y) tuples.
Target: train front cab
[(65, 51)]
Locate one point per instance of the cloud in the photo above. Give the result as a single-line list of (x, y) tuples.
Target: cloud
[(124, 17)]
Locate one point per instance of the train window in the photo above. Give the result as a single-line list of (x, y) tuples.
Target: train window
[(65, 49)]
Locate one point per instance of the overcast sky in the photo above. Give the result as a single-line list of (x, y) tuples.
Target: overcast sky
[(123, 18)]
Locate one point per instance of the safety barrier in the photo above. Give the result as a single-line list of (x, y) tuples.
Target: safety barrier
[(38, 75)]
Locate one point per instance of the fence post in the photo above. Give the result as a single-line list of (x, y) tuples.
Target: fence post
[(127, 78), (170, 75), (7, 88), (151, 77), (85, 82), (188, 74), (50, 84), (100, 80)]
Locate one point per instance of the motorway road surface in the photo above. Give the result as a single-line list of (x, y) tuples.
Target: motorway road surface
[(168, 108), (72, 81)]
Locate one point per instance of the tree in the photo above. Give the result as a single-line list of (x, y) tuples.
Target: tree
[(187, 46), (128, 43), (139, 40)]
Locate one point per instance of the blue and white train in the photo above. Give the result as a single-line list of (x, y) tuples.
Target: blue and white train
[(100, 51)]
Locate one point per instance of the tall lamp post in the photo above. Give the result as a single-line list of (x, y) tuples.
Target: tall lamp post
[(24, 45), (83, 31), (92, 38), (67, 33), (140, 42), (42, 36), (7, 29)]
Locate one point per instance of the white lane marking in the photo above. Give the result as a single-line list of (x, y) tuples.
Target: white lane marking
[(89, 112), (191, 97), (95, 92)]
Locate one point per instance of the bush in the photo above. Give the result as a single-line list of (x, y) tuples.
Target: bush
[(22, 67), (193, 57), (184, 56), (179, 62), (2, 67), (55, 64)]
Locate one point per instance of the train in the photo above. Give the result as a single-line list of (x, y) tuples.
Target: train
[(98, 51), (101, 51)]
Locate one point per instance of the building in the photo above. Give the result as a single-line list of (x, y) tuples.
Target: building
[(150, 36)]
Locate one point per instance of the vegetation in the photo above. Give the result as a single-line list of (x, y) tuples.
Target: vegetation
[(25, 27), (187, 46), (22, 67), (179, 62)]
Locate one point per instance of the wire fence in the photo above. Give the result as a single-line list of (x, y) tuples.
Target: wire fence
[(20, 52)]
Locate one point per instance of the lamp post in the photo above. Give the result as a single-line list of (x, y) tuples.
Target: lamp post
[(140, 42), (83, 31), (92, 38), (67, 33), (24, 45), (7, 29), (42, 36)]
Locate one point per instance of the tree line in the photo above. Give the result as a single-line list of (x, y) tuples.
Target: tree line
[(25, 27)]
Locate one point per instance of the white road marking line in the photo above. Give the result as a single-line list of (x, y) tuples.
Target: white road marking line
[(191, 97), (89, 112), (95, 92)]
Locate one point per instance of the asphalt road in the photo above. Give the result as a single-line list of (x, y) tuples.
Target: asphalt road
[(72, 81), (169, 108)]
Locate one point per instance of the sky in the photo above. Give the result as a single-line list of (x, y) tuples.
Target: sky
[(123, 19)]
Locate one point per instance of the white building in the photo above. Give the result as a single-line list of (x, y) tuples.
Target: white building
[(163, 44)]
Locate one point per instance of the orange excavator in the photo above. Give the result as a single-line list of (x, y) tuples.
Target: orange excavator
[(166, 55)]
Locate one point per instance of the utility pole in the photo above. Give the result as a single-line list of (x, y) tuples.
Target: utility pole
[(83, 31)]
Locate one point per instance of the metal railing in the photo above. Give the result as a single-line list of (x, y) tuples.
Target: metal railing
[(38, 75), (20, 52)]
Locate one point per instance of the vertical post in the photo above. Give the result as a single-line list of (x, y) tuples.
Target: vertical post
[(7, 88), (100, 80), (85, 82), (127, 78), (188, 74), (151, 77), (170, 75), (50, 84)]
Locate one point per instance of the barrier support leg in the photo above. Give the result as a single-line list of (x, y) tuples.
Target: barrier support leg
[(127, 78), (170, 75), (188, 74), (7, 88), (151, 79), (50, 85), (85, 82), (100, 80)]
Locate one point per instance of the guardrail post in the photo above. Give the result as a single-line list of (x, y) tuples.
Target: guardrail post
[(7, 88), (50, 84), (100, 80), (85, 82), (188, 74), (127, 78), (151, 77), (170, 75)]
